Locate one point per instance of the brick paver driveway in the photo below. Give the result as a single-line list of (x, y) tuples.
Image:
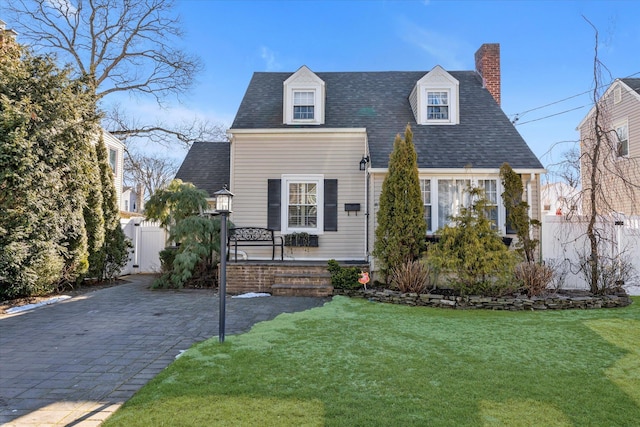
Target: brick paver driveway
[(75, 362)]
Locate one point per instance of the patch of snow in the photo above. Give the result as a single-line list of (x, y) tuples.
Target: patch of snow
[(252, 295), (36, 305)]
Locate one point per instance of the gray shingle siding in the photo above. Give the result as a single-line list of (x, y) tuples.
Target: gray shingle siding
[(379, 102), (206, 166)]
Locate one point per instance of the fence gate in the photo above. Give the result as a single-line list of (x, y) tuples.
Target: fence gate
[(147, 239)]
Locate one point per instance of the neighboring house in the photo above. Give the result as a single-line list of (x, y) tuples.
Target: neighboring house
[(6, 35), (129, 200), (115, 155), (619, 116), (207, 167), (309, 151), (559, 198)]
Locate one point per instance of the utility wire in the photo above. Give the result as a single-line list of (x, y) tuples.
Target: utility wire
[(551, 115), (518, 115)]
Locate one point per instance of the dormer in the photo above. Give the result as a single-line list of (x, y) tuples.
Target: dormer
[(435, 98), (303, 98)]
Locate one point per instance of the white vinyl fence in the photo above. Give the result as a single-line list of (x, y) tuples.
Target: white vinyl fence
[(564, 242), (148, 239)]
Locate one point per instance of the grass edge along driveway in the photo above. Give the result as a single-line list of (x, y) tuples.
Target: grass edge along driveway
[(356, 363)]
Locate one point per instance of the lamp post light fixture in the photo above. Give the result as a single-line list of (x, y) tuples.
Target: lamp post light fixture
[(363, 163), (223, 207)]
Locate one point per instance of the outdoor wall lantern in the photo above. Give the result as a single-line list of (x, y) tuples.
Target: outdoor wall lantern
[(223, 207), (363, 163)]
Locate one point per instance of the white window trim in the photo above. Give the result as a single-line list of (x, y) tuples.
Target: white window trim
[(621, 123), (285, 181), (475, 183), (426, 105), (437, 80), (114, 167), (617, 94), (315, 105), (303, 80)]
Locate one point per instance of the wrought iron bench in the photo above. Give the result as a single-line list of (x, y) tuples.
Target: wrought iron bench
[(254, 236)]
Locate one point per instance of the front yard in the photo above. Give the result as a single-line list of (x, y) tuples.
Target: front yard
[(356, 363)]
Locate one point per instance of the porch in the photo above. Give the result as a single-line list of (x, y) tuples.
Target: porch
[(283, 278)]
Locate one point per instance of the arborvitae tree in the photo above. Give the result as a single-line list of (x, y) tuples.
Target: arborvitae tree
[(400, 235), (518, 211), (108, 259), (46, 124), (94, 216)]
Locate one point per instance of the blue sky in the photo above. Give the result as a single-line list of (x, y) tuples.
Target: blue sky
[(547, 50)]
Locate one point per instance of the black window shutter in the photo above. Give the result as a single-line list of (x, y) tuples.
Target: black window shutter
[(330, 205), (273, 204)]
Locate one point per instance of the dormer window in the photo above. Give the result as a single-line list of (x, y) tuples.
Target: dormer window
[(303, 105), (303, 98), (438, 105), (435, 98)]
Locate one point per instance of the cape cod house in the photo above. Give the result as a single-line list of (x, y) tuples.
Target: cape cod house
[(309, 152)]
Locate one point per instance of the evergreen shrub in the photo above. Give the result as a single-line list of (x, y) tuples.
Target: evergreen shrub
[(343, 277)]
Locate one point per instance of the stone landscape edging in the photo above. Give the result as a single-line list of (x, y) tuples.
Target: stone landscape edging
[(551, 302)]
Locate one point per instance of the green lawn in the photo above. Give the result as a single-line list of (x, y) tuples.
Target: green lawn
[(357, 363)]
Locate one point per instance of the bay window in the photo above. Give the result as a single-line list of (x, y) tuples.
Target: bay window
[(443, 198)]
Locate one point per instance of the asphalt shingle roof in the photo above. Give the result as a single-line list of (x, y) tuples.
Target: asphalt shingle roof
[(633, 84), (379, 102), (206, 166)]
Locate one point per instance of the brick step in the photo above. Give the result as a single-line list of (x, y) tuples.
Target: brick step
[(301, 290), (302, 278)]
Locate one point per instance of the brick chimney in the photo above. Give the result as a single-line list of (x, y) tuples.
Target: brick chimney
[(488, 66)]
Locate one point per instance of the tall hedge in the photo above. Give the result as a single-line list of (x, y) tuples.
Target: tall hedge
[(401, 230), (48, 174)]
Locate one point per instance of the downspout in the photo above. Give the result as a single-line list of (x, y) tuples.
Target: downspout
[(530, 201), (366, 213)]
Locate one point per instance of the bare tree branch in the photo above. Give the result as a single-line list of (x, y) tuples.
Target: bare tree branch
[(110, 41), (605, 175), (149, 171), (128, 129)]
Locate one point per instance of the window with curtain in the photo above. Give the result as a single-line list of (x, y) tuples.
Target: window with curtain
[(437, 105), (452, 195)]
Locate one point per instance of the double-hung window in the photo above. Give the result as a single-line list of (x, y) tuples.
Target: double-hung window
[(490, 187), (622, 132), (425, 186), (438, 105), (303, 205), (113, 160), (303, 105)]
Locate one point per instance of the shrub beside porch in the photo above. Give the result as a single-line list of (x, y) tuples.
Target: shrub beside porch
[(293, 278)]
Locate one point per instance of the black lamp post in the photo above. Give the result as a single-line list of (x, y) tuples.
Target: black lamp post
[(223, 206)]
